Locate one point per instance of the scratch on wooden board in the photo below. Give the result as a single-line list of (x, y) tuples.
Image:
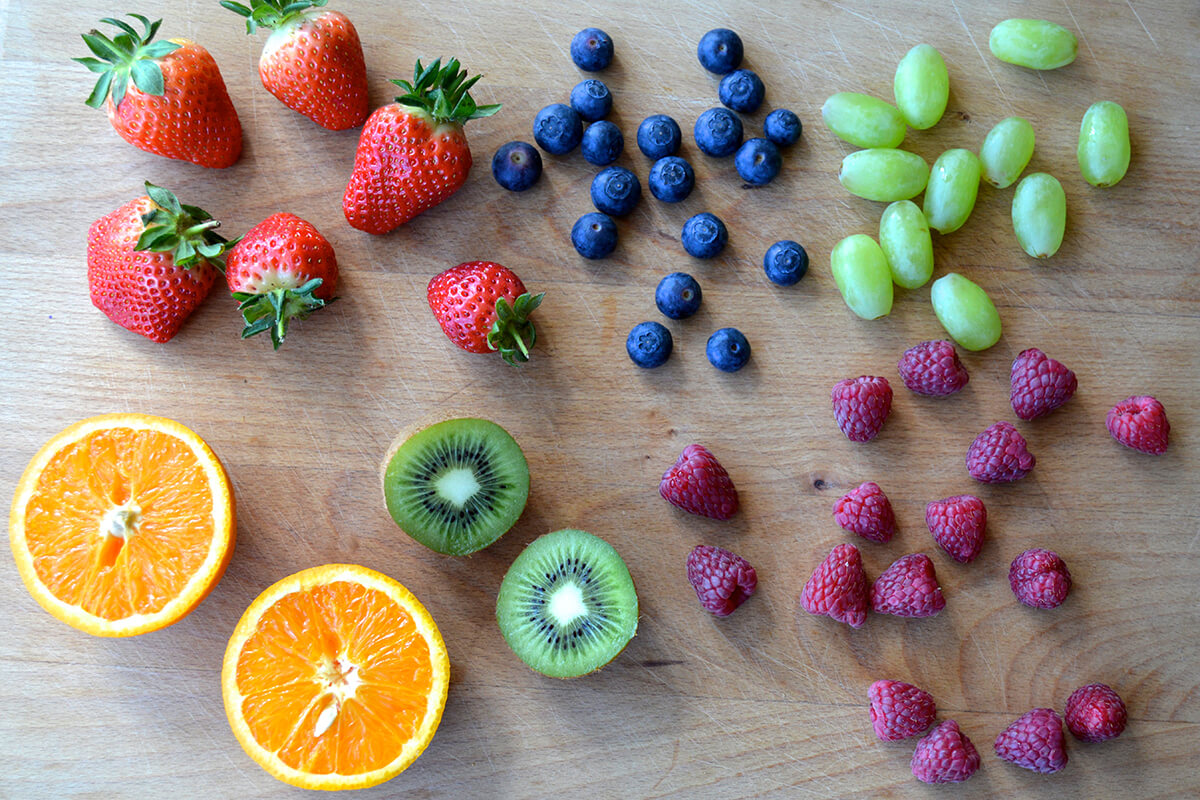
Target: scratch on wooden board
[(986, 65), (871, 19), (1078, 27), (1139, 19)]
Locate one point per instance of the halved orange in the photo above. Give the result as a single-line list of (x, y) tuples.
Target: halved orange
[(335, 678), (122, 524)]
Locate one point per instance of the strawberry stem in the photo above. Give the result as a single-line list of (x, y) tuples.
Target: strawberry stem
[(443, 93), (272, 310), (127, 56), (512, 328), (271, 14), (186, 232)]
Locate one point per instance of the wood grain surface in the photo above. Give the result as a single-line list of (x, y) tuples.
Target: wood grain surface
[(769, 702)]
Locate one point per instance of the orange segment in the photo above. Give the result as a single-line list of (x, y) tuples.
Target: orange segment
[(335, 678), (122, 524)]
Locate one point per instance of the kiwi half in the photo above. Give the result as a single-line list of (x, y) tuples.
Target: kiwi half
[(567, 605), (456, 486)]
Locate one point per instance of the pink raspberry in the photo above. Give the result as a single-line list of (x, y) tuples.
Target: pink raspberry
[(1039, 578), (860, 405), (932, 369), (908, 588), (957, 524), (999, 455), (721, 579), (900, 710), (1039, 384), (866, 511), (1035, 742), (699, 484), (838, 587), (1140, 422), (1095, 713), (945, 755)]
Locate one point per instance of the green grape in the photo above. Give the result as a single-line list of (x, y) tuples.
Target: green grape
[(1033, 43), (862, 120), (862, 276), (1039, 214), (965, 311), (884, 174), (953, 186), (1006, 151), (921, 86), (1104, 144), (904, 237)]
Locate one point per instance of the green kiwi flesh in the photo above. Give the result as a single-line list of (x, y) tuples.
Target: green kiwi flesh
[(567, 605), (457, 486)]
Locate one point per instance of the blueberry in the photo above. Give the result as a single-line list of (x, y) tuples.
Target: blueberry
[(704, 235), (659, 136), (592, 49), (782, 127), (602, 143), (741, 90), (649, 344), (720, 51), (591, 100), (517, 166), (616, 191), (785, 262), (671, 179), (728, 350), (678, 295), (758, 161), (718, 132), (594, 235), (557, 129)]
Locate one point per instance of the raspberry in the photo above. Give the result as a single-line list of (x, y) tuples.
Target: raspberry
[(957, 524), (699, 484), (932, 369), (1035, 742), (1095, 713), (1140, 422), (999, 455), (860, 405), (838, 587), (867, 512), (721, 579), (900, 710), (908, 588), (945, 755), (1039, 384), (1039, 578)]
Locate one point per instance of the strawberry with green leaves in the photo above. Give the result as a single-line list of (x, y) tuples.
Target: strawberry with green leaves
[(483, 307), (412, 154), (152, 262), (312, 61), (165, 97)]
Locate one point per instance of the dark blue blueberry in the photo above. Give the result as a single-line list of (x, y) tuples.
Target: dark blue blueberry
[(557, 129), (671, 179), (659, 136), (718, 132), (602, 143), (720, 51), (591, 99), (741, 90), (758, 161), (782, 127), (592, 49), (728, 350), (594, 235), (785, 262), (649, 344), (517, 166), (704, 235), (616, 191), (678, 295)]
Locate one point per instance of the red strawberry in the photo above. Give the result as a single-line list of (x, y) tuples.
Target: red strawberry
[(313, 60), (838, 587), (698, 483), (412, 154), (282, 269), (722, 580), (166, 98), (957, 524), (1039, 384), (932, 369), (1039, 578), (151, 262), (908, 588), (999, 455), (860, 405), (1035, 742), (1140, 422), (865, 510), (899, 710), (483, 307), (1095, 713), (945, 755)]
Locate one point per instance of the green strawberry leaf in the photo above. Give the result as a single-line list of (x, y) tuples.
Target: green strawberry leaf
[(129, 55), (148, 78), (186, 232), (443, 92), (272, 310), (512, 334)]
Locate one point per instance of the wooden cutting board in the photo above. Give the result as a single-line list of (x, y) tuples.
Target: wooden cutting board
[(767, 703)]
